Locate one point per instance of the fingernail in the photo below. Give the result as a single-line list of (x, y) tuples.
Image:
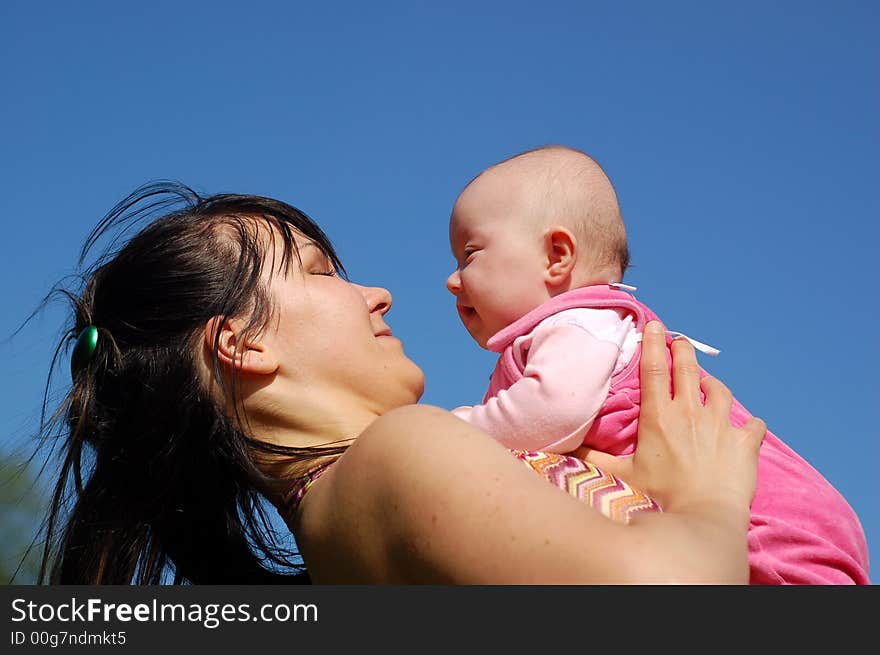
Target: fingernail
[(654, 327)]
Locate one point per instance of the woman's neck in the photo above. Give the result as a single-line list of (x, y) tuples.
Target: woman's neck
[(318, 430)]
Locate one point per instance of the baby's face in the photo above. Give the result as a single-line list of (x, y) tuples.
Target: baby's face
[(500, 258)]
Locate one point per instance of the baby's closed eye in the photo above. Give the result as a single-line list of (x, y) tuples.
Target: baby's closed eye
[(469, 252)]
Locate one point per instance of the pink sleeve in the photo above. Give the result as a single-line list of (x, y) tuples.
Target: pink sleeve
[(565, 381)]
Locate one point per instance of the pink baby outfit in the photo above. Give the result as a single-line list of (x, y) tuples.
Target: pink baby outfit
[(802, 530)]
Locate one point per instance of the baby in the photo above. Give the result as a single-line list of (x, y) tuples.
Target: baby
[(541, 250)]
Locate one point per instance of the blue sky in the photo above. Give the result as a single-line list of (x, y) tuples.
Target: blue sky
[(742, 139)]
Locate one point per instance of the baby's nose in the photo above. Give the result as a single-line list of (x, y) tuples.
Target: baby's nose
[(453, 283)]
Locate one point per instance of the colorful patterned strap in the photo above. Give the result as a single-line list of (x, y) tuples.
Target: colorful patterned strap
[(301, 485), (588, 483), (582, 480)]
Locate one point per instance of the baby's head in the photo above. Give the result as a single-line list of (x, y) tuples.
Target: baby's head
[(529, 228)]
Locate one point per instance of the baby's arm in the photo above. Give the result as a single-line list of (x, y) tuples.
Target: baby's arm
[(564, 384)]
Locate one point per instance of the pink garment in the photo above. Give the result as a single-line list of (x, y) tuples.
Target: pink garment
[(543, 411), (802, 530)]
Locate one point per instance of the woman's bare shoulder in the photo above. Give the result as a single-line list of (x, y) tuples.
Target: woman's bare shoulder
[(419, 483), (401, 443), (368, 498)]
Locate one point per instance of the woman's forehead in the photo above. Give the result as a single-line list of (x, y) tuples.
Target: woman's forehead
[(305, 252), (309, 251), (282, 238), (289, 249), (306, 246)]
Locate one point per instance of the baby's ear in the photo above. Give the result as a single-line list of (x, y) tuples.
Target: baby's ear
[(561, 251), (250, 354)]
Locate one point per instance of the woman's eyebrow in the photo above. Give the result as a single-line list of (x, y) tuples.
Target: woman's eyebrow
[(321, 255), (310, 244)]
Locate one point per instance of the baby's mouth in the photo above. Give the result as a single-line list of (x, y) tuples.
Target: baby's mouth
[(466, 313)]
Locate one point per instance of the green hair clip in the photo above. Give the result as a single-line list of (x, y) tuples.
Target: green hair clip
[(85, 346)]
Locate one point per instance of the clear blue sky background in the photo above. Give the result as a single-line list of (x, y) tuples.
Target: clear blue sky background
[(742, 139)]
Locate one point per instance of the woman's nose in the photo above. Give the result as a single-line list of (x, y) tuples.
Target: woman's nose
[(453, 282), (378, 299)]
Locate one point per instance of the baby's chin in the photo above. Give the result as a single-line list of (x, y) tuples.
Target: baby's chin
[(479, 337), (481, 332)]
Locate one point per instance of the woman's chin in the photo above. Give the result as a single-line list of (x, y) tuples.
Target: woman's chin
[(418, 386)]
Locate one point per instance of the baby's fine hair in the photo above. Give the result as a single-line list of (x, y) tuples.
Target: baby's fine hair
[(579, 193)]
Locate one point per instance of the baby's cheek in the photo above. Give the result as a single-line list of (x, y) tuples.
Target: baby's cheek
[(519, 305)]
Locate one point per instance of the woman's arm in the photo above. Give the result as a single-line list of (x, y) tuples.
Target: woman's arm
[(423, 497)]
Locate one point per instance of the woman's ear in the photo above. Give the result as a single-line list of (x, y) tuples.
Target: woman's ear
[(250, 354), (561, 247)]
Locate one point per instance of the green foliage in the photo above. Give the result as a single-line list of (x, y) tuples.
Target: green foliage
[(23, 506)]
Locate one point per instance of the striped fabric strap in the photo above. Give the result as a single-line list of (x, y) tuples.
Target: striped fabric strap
[(610, 495)]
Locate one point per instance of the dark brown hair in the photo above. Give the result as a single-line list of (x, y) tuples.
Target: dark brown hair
[(156, 482)]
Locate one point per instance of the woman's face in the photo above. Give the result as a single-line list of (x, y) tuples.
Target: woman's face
[(332, 340)]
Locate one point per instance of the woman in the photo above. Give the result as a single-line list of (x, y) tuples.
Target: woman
[(220, 355)]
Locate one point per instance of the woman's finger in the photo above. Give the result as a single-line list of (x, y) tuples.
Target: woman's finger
[(685, 372), (719, 399), (654, 368), (756, 430), (718, 396)]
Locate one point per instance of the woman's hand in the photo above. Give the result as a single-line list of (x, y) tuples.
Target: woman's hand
[(688, 453)]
